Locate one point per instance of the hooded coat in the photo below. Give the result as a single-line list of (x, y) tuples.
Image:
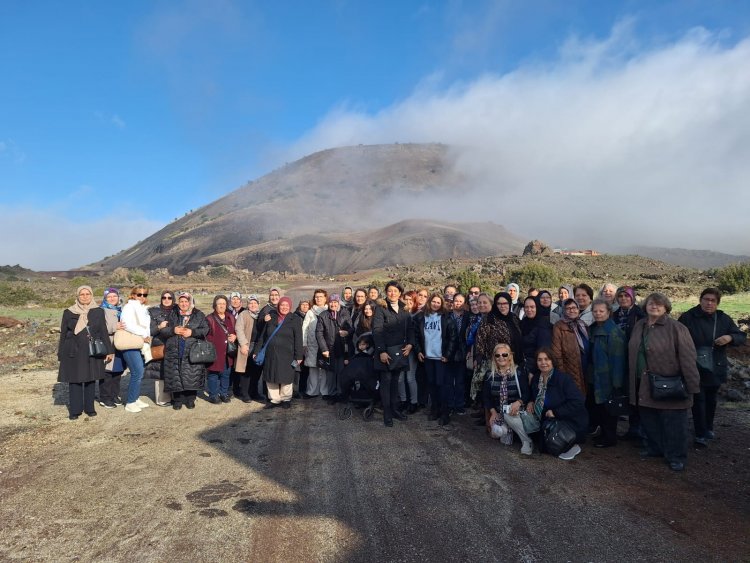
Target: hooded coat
[(179, 374)]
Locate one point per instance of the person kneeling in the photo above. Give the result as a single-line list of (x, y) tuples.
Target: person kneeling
[(505, 392)]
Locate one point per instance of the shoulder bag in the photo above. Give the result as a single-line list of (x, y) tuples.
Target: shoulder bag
[(231, 346), (261, 356), (705, 354), (664, 387), (125, 340), (97, 349)]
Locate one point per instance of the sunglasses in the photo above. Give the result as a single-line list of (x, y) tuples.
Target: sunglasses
[(502, 355), (166, 298), (141, 294)]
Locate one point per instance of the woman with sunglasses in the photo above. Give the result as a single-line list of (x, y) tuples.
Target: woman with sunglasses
[(505, 393), (155, 368), (137, 321)]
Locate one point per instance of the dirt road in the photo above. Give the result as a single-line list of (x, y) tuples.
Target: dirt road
[(238, 483)]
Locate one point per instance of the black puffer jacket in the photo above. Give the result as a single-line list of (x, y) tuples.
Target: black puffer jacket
[(701, 327), (327, 333), (155, 368), (179, 374)]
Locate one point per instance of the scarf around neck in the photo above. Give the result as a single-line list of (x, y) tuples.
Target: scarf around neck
[(82, 310)]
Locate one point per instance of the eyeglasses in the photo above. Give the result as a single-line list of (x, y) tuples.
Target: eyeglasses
[(502, 355), (166, 298), (141, 294)]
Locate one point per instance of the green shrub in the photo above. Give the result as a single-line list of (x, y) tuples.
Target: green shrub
[(78, 281), (534, 274), (468, 278), (138, 277), (218, 272), (14, 295), (734, 278)]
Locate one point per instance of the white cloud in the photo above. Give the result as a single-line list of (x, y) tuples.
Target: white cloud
[(52, 242), (110, 119), (610, 144)]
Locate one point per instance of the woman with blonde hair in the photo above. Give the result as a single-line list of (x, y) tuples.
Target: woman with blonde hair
[(137, 321), (505, 393)]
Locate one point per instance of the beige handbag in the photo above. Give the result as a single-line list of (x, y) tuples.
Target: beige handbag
[(125, 340)]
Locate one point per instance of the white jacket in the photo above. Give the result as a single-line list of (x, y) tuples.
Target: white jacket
[(136, 318)]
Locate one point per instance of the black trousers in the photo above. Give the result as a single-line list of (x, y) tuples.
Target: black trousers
[(608, 424), (704, 410), (109, 387), (422, 388), (81, 398), (666, 433), (388, 392), (184, 397)]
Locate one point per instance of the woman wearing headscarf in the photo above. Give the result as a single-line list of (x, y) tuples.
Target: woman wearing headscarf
[(185, 326), (82, 322), (544, 305), (347, 299), (109, 386), (137, 321), (333, 333), (221, 332), (564, 292), (155, 368), (536, 332), (516, 305), (570, 344), (316, 378), (247, 370), (283, 350)]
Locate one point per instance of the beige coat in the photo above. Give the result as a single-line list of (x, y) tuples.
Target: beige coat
[(244, 329), (670, 351)]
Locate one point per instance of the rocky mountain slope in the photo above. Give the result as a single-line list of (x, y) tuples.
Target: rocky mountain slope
[(334, 211)]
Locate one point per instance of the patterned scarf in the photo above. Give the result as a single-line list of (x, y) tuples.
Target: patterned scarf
[(541, 392)]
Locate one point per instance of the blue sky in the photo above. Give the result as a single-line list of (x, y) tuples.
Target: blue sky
[(116, 117)]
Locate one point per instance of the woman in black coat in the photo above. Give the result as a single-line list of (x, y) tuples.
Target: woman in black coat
[(554, 395), (333, 335), (154, 369), (80, 323), (185, 326), (393, 335), (284, 353)]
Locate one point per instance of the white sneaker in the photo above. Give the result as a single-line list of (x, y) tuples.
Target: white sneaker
[(527, 448), (141, 404), (571, 453), (132, 407)]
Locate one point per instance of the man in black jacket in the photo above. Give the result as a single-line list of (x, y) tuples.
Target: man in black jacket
[(393, 335), (712, 331)]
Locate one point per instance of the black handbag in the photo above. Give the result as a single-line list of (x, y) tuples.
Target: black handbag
[(202, 352), (667, 388), (559, 436), (97, 349), (398, 360), (617, 405)]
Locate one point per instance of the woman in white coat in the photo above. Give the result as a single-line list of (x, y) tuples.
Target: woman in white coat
[(137, 321)]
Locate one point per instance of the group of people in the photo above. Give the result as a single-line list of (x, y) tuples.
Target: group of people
[(524, 365)]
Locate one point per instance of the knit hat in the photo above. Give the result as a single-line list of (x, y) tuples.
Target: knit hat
[(334, 297), (235, 294), (253, 297), (628, 290)]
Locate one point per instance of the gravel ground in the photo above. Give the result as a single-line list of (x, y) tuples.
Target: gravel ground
[(238, 483)]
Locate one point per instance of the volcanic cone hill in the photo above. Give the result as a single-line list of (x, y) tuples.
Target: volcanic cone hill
[(335, 211)]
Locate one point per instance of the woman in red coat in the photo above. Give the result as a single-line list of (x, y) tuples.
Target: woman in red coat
[(221, 332)]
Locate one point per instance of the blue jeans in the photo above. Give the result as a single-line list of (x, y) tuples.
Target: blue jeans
[(217, 382), (134, 361)]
